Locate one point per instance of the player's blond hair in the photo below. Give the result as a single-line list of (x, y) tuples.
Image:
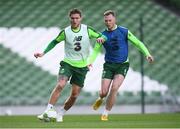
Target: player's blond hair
[(109, 12)]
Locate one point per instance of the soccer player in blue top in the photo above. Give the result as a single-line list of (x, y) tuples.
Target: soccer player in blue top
[(116, 60)]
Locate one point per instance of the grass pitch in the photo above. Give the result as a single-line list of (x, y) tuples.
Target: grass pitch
[(93, 121)]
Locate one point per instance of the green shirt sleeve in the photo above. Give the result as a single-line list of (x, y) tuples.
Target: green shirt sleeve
[(96, 51), (54, 42), (61, 36), (50, 46), (95, 34), (97, 47), (138, 44)]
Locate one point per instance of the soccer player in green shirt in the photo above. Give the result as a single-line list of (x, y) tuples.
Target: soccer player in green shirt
[(116, 60), (75, 64)]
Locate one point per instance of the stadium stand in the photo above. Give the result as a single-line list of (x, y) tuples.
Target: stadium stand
[(27, 25), (173, 5)]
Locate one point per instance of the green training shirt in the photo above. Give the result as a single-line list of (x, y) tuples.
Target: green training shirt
[(77, 44)]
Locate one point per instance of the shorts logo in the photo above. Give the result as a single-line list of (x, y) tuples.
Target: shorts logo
[(62, 71)]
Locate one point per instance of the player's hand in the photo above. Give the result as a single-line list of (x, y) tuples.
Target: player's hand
[(150, 59), (100, 40), (38, 55), (89, 66)]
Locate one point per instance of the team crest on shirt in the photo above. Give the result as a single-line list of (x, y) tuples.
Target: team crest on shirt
[(62, 71)]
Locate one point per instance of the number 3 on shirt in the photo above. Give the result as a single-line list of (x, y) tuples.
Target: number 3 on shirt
[(77, 46)]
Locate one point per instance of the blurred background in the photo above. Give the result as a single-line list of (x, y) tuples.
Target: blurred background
[(27, 26)]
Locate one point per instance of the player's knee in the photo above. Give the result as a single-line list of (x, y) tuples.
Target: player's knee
[(62, 82), (103, 94), (114, 89), (74, 95)]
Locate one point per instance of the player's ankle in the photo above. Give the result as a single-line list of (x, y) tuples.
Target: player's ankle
[(49, 106), (101, 98), (105, 112)]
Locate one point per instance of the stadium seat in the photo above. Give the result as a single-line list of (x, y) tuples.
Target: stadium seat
[(28, 27)]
